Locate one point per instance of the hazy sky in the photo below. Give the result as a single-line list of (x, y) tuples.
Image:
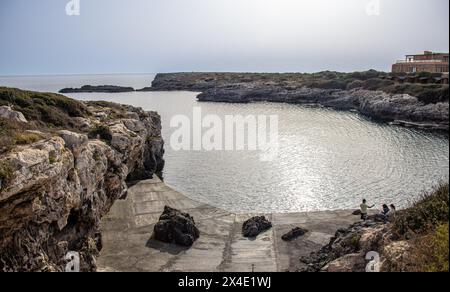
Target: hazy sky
[(146, 36)]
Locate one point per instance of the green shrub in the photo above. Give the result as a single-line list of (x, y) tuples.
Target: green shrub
[(52, 157), (6, 173), (329, 84), (430, 253), (49, 109), (366, 75), (6, 139), (377, 84), (430, 95), (101, 132), (355, 84), (425, 215), (424, 74), (439, 249)]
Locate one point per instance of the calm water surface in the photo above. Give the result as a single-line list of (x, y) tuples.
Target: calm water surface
[(327, 159)]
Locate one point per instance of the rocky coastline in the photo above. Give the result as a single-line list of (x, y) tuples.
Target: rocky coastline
[(65, 164), (98, 89), (400, 109), (56, 183)]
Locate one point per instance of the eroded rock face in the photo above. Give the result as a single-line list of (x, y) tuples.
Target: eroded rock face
[(347, 250), (396, 256), (176, 227), (59, 188), (255, 226)]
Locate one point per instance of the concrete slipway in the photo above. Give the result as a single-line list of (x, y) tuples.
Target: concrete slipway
[(128, 228)]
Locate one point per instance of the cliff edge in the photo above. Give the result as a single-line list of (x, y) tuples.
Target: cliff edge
[(63, 163)]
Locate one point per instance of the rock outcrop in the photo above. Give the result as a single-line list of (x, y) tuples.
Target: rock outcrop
[(98, 89), (348, 249), (56, 190), (401, 109), (7, 112), (255, 226), (294, 233), (176, 227)]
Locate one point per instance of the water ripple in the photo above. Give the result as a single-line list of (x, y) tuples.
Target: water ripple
[(328, 159)]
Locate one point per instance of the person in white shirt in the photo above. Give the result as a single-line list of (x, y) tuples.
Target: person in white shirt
[(364, 209)]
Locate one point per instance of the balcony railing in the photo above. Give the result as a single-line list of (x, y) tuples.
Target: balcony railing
[(420, 61)]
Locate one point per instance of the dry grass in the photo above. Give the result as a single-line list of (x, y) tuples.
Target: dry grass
[(425, 214), (430, 253), (14, 133), (5, 173), (46, 112), (426, 227), (26, 138)]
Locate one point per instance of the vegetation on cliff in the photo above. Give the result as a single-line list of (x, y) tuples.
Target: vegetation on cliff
[(368, 80), (45, 113), (426, 225), (63, 163), (374, 80), (377, 95), (44, 109), (99, 88)]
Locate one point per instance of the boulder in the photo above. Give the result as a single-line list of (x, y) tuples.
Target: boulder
[(176, 227), (254, 226), (294, 233), (73, 140), (372, 238), (83, 123), (357, 213), (396, 256), (7, 112)]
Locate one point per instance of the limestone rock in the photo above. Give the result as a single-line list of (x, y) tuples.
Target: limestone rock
[(60, 187), (372, 238), (73, 140), (395, 256), (83, 123), (7, 112)]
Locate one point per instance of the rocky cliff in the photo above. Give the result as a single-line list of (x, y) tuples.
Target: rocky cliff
[(57, 182), (410, 240), (347, 93)]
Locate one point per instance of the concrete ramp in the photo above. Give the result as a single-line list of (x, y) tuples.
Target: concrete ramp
[(128, 228)]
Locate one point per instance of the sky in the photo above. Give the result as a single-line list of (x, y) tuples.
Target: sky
[(149, 36)]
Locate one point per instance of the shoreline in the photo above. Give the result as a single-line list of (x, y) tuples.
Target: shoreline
[(127, 230), (369, 93)]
